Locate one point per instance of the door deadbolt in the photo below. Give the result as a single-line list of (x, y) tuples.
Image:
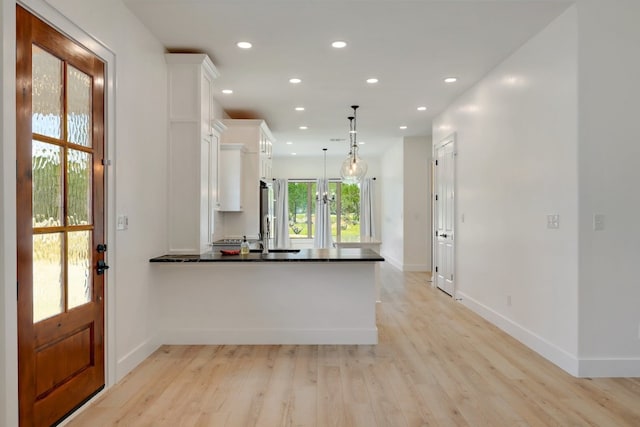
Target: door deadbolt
[(101, 267)]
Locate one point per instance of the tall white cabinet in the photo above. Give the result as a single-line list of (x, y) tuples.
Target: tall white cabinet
[(257, 140), (194, 138)]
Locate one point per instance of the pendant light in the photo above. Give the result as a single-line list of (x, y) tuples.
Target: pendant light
[(353, 167), (325, 195)]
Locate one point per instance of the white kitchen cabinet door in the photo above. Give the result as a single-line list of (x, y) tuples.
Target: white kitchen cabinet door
[(230, 178)]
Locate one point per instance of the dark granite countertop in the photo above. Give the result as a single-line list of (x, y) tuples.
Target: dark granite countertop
[(280, 255)]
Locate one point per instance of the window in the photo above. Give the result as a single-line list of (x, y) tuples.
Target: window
[(345, 210)]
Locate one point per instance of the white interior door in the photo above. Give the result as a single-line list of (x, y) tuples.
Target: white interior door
[(444, 206)]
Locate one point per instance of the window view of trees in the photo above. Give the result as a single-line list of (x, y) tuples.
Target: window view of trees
[(345, 210)]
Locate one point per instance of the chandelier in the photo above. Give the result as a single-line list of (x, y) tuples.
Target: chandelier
[(353, 167), (325, 195)]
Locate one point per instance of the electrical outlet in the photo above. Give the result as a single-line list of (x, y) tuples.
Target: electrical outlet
[(553, 221), (598, 222)]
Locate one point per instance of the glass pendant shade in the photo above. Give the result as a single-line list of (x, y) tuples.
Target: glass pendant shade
[(353, 168)]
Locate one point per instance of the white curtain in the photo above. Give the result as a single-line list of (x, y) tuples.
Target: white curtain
[(281, 220), (322, 238), (367, 207)]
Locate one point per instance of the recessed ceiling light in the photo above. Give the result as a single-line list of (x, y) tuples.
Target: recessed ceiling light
[(403, 127), (227, 91), (339, 44), (372, 80), (295, 80), (450, 80), (293, 154), (361, 142), (422, 108), (299, 108), (303, 128), (244, 45), (289, 142)]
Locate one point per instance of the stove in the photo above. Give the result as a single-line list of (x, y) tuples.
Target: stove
[(227, 242)]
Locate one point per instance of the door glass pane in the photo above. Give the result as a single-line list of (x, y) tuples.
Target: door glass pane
[(79, 268), (48, 295), (47, 94), (47, 184), (298, 212), (79, 187), (79, 107)]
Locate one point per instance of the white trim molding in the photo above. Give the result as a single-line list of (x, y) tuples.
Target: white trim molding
[(549, 351)]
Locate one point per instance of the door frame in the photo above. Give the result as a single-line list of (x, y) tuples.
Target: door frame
[(57, 20), (451, 138)]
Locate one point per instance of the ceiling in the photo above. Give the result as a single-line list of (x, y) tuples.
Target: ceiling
[(410, 46)]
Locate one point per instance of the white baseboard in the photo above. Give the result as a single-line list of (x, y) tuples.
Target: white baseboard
[(268, 336), (417, 267), (609, 368), (549, 351), (394, 262), (132, 359)]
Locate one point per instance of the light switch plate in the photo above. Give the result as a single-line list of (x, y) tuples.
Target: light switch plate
[(553, 221), (123, 222)]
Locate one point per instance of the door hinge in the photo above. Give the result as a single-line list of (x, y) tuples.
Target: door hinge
[(436, 163), (17, 290), (436, 197), (106, 162), (436, 268)]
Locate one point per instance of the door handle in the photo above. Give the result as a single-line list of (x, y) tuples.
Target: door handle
[(101, 267), (443, 235)]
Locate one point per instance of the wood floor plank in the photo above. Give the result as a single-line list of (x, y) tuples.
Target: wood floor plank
[(436, 364)]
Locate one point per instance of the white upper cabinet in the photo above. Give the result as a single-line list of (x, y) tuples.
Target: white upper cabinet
[(257, 140), (194, 137), (230, 178), (266, 150)]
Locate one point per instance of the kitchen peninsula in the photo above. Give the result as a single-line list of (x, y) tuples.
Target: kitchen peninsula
[(310, 296)]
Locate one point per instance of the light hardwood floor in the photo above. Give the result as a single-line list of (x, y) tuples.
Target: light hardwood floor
[(437, 363)]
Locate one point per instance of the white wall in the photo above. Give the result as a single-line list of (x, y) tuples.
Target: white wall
[(417, 203), (406, 204), (392, 190), (608, 159), (305, 167), (517, 162)]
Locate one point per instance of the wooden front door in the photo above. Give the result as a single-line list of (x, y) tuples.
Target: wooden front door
[(60, 222)]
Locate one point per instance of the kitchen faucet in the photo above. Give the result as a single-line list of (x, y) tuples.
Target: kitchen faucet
[(265, 234)]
